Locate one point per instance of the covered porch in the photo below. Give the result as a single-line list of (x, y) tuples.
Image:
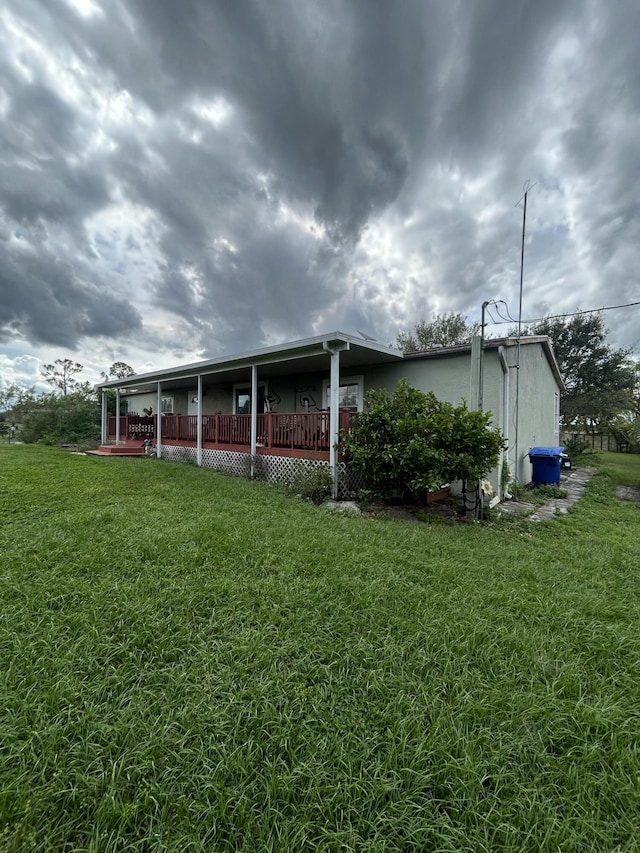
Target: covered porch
[(295, 434), (252, 411)]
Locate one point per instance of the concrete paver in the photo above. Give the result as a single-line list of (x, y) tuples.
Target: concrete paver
[(573, 482), (628, 493)]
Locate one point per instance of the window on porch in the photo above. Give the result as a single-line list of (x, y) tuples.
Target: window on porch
[(242, 399), (350, 394)]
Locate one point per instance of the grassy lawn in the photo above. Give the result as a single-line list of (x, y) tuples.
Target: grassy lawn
[(194, 662)]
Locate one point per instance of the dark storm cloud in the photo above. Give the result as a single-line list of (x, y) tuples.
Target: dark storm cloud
[(34, 193), (44, 300), (308, 88), (501, 50), (39, 121), (255, 169)]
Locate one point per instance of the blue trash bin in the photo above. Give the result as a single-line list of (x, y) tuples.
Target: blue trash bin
[(546, 462)]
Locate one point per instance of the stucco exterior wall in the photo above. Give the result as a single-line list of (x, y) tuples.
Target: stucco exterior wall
[(149, 400), (216, 398), (452, 380), (138, 402), (448, 378), (535, 404)]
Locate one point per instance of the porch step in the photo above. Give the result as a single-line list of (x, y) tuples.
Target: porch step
[(118, 450)]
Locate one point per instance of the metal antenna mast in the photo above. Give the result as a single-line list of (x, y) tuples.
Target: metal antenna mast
[(526, 187)]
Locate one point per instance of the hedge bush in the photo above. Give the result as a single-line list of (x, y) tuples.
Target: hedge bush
[(409, 442)]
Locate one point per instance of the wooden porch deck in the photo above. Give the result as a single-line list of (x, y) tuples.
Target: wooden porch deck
[(126, 448), (295, 434)]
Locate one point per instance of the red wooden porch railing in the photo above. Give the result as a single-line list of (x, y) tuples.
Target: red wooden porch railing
[(132, 427), (293, 430)]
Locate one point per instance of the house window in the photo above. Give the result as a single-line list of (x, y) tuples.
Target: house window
[(556, 413), (167, 405), (350, 393), (242, 399)]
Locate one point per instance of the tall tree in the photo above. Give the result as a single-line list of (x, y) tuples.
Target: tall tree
[(118, 370), (121, 370), (600, 380), (444, 330), (9, 396), (60, 374)]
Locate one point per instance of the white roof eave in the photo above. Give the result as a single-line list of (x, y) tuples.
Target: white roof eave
[(266, 355)]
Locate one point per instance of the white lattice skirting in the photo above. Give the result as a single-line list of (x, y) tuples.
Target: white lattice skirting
[(271, 468)]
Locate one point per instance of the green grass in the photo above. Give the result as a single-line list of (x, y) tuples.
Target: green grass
[(193, 662)]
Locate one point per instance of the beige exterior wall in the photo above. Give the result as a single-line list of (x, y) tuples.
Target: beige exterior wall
[(217, 398), (451, 378), (149, 400), (138, 402), (536, 406)]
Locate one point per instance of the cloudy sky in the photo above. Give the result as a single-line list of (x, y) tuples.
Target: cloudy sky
[(187, 178)]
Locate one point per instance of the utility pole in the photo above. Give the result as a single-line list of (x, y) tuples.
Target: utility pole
[(485, 305)]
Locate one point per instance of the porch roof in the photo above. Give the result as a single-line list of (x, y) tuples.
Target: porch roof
[(304, 356)]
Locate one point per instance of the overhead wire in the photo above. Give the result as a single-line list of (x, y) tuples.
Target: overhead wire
[(508, 318), (568, 314), (491, 315)]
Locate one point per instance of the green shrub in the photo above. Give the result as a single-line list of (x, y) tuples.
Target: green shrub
[(48, 440), (549, 490), (575, 448), (517, 491), (505, 476), (627, 433), (314, 484), (409, 442), (59, 419)]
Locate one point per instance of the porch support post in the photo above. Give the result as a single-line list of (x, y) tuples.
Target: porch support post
[(103, 418), (254, 417), (117, 416), (159, 422), (334, 348), (199, 423)]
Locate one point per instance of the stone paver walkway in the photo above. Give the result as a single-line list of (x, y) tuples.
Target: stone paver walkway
[(573, 482), (628, 493)]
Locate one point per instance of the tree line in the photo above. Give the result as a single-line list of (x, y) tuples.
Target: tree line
[(68, 414)]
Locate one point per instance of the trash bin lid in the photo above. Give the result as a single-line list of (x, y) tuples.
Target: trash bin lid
[(546, 451)]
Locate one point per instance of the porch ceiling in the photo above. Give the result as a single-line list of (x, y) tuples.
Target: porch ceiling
[(298, 357)]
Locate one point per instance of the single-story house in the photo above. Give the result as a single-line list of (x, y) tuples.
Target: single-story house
[(266, 411)]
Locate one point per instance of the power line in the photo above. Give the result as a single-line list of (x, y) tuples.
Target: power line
[(508, 317), (572, 313), (494, 322)]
